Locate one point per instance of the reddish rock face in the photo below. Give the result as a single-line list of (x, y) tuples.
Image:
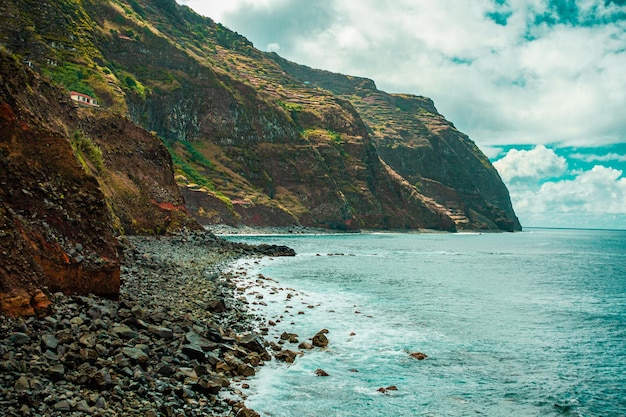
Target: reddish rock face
[(61, 202), (56, 232)]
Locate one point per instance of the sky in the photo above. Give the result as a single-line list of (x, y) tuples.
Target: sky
[(539, 85)]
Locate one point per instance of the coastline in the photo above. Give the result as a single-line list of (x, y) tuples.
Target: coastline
[(177, 342), (225, 230)]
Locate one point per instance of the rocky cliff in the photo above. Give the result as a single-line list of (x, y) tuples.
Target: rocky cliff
[(252, 142), (70, 179), (424, 148)]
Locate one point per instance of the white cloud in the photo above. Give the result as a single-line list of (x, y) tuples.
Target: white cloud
[(273, 47), (215, 9), (600, 190), (610, 157), (594, 199), (538, 163)]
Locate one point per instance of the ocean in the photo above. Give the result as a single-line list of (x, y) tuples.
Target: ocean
[(513, 324)]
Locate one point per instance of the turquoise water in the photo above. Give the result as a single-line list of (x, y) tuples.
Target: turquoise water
[(524, 324)]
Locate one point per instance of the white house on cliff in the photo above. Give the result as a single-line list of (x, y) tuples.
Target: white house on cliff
[(83, 99)]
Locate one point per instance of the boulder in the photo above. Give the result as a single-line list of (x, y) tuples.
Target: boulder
[(193, 352), (162, 332), (320, 340), (290, 337), (137, 355), (286, 355), (418, 355), (305, 346), (18, 338), (125, 332), (252, 343), (101, 379)]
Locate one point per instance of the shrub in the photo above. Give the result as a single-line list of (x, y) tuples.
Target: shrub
[(86, 150)]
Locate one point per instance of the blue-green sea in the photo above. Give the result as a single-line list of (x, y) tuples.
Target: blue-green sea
[(514, 324)]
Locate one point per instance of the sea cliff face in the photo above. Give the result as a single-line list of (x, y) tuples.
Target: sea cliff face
[(252, 142), (423, 147)]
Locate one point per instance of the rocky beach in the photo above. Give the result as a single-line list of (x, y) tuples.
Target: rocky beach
[(178, 342)]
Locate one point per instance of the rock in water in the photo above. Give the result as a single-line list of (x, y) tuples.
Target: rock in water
[(320, 339), (419, 356), (288, 356)]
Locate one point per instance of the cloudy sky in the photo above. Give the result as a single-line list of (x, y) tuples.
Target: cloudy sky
[(539, 85)]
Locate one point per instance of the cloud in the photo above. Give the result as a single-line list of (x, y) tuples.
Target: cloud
[(538, 163), (273, 47), (594, 199), (601, 190), (545, 193), (610, 157)]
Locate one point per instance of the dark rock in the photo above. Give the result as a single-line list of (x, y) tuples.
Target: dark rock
[(125, 332), (193, 352), (100, 403), (389, 388), (222, 367), (253, 343), (275, 250), (56, 372), (36, 385), (83, 407), (245, 369), (200, 370), (305, 346), (88, 340), (138, 311), (197, 340), (209, 385), (291, 337), (137, 355), (19, 338), (214, 335), (243, 411), (101, 379), (321, 372), (216, 306), (49, 341), (89, 355), (162, 332), (62, 405), (165, 369), (320, 340), (22, 384), (419, 356), (253, 359), (286, 355)]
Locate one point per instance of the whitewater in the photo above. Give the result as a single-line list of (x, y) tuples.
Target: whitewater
[(522, 324)]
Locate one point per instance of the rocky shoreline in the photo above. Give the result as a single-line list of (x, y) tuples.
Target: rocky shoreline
[(176, 343)]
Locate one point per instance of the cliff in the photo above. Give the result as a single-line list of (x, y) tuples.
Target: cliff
[(417, 142), (252, 143), (70, 179)]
